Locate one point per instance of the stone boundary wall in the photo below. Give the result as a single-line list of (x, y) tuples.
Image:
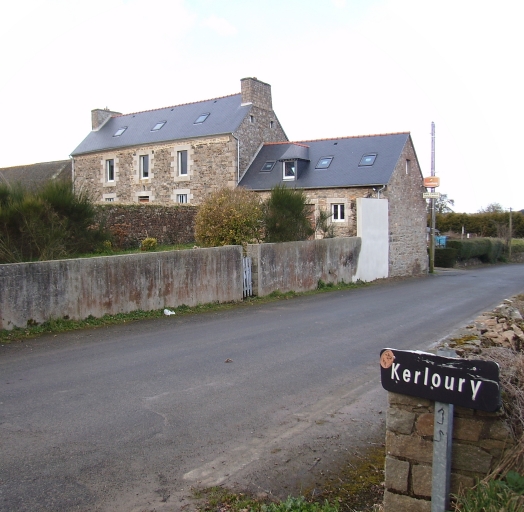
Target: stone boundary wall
[(130, 224), (78, 288), (479, 440), (299, 266)]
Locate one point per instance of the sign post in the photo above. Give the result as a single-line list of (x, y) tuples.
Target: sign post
[(447, 381)]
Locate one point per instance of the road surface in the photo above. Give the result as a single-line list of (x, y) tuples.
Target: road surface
[(131, 417)]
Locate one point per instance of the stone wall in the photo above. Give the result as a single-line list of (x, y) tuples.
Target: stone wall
[(479, 440), (407, 217), (130, 224)]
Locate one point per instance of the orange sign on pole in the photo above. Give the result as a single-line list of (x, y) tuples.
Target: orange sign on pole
[(432, 182)]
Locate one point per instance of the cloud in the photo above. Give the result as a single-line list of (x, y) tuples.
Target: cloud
[(220, 25)]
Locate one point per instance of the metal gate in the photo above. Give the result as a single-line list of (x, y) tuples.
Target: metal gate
[(248, 283)]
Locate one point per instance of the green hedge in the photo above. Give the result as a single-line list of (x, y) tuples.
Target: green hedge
[(445, 257), (488, 250)]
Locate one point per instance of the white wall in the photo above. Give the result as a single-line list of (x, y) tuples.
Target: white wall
[(373, 229)]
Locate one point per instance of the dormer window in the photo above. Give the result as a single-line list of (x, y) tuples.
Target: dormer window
[(267, 166), (289, 170), (120, 131), (201, 118), (158, 126), (367, 160), (324, 162)]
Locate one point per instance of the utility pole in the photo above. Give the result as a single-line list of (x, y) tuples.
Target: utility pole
[(432, 229), (510, 233)]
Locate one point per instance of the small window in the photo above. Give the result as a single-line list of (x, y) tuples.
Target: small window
[(201, 118), (158, 126), (110, 170), (143, 199), (251, 119), (338, 213), (271, 124), (324, 162), (109, 199), (267, 166), (144, 167), (181, 198), (290, 170), (367, 160), (120, 131), (182, 163)]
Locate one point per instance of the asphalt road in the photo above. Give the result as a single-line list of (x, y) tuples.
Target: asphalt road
[(129, 417)]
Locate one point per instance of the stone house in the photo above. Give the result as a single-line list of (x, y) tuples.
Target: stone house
[(335, 172), (175, 154)]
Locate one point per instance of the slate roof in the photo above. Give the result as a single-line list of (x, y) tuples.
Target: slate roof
[(34, 175), (225, 116), (344, 170)]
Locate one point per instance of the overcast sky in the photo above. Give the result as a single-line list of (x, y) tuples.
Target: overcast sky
[(336, 67)]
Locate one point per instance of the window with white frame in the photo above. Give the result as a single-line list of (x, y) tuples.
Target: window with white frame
[(143, 198), (144, 166), (182, 162), (110, 170), (181, 198), (338, 212), (289, 170)]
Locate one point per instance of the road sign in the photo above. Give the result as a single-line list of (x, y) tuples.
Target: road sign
[(432, 182), (431, 195), (469, 383)]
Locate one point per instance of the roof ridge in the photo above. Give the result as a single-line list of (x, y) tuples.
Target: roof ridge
[(356, 136), (286, 142), (179, 105)]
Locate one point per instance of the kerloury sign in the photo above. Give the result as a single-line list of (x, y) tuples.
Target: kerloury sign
[(469, 383)]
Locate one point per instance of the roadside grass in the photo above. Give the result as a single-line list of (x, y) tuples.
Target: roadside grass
[(355, 487), (60, 325)]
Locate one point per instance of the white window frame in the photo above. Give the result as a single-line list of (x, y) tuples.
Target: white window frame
[(182, 198), (286, 177), (108, 168), (180, 162), (336, 212), (141, 159)]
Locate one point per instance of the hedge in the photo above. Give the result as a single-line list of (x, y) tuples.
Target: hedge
[(446, 257), (488, 250)]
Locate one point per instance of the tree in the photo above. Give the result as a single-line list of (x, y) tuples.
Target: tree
[(230, 217), (287, 215), (442, 205), (492, 208)]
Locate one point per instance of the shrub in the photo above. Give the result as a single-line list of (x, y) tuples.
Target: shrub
[(148, 244), (230, 217), (488, 250), (445, 257), (287, 215), (49, 223)]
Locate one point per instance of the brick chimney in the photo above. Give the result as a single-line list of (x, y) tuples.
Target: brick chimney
[(256, 92), (99, 117)]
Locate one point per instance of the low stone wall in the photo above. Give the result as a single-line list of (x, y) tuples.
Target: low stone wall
[(130, 224), (479, 440), (299, 266), (76, 289)]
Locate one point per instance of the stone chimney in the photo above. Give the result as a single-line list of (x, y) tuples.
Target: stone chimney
[(256, 92), (100, 116)]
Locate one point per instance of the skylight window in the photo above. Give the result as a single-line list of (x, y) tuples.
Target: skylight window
[(201, 118), (267, 166), (324, 162), (120, 131), (158, 126), (367, 160)]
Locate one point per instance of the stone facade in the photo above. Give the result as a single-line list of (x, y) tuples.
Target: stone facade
[(407, 217), (213, 162)]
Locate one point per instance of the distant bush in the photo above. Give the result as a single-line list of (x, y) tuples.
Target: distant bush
[(48, 223), (230, 217), (445, 257), (287, 215), (148, 244), (488, 250)]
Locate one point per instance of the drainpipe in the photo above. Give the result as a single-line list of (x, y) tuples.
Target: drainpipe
[(73, 173), (238, 158), (380, 190)]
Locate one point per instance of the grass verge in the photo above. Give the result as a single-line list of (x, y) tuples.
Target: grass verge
[(60, 325)]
